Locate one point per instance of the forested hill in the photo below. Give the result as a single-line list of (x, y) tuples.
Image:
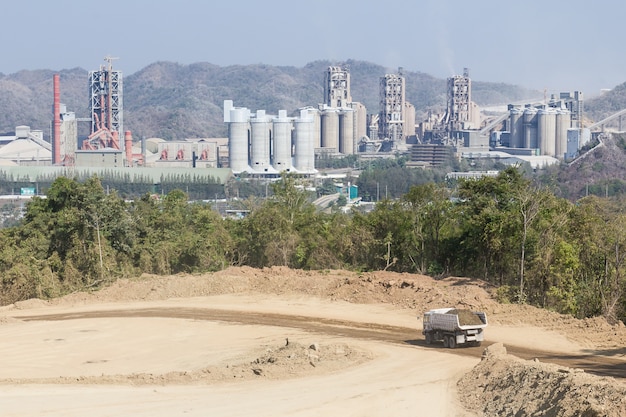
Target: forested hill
[(176, 101)]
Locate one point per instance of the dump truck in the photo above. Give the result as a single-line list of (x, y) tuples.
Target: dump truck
[(454, 327)]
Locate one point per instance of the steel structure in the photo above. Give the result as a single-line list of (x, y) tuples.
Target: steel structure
[(337, 87), (459, 102), (574, 103), (392, 99), (106, 104)]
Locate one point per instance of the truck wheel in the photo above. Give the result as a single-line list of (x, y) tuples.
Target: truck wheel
[(445, 342), (429, 338), (452, 342)]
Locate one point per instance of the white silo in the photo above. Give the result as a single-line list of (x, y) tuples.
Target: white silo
[(346, 132), (238, 139), (304, 138), (360, 122), (530, 128), (282, 142), (516, 128), (260, 142), (546, 131), (330, 129), (563, 121)]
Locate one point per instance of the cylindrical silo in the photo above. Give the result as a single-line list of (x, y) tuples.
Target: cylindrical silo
[(516, 128), (546, 131), (260, 142), (238, 139), (530, 127), (360, 123), (346, 132), (563, 121), (282, 142), (304, 139), (330, 129)]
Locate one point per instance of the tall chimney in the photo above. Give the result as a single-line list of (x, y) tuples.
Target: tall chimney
[(56, 108), (128, 147)]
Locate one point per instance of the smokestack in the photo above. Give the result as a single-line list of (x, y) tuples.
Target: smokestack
[(128, 147), (56, 108)]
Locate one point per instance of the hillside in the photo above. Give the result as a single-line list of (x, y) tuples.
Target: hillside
[(600, 171), (174, 101)]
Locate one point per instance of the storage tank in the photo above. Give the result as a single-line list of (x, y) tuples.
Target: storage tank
[(516, 127), (330, 129), (304, 139), (282, 142), (546, 131), (530, 128), (563, 121), (346, 132), (260, 142), (360, 122), (238, 139)]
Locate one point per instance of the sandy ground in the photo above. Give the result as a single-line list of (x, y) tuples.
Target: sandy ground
[(399, 381), (162, 366)]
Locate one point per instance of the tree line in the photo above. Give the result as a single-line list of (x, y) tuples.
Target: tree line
[(531, 245)]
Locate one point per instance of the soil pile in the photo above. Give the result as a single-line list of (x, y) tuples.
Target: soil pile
[(290, 360), (467, 317), (503, 385)]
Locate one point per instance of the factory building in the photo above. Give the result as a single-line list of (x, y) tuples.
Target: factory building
[(339, 123), (337, 87), (396, 119), (461, 112), (260, 143), (26, 148), (543, 128)]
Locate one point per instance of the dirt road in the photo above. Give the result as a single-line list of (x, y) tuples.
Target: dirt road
[(591, 363)]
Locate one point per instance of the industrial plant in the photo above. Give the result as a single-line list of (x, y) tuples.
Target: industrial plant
[(294, 140)]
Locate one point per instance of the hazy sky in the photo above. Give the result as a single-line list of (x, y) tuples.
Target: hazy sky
[(558, 45)]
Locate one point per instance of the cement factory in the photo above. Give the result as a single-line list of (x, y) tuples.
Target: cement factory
[(266, 145)]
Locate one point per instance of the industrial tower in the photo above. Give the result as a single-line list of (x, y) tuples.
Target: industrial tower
[(337, 87), (458, 113), (105, 107), (392, 103)]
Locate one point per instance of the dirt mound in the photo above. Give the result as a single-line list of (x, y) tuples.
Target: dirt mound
[(503, 385), (279, 361)]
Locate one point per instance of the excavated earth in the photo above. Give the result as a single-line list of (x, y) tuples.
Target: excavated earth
[(552, 365)]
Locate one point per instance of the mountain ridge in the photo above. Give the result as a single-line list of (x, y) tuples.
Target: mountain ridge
[(176, 101)]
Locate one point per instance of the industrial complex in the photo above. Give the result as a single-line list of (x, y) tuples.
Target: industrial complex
[(292, 140)]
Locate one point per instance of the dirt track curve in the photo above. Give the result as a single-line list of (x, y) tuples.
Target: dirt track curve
[(594, 364)]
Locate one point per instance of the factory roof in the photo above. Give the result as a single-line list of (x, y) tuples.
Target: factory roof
[(24, 149), (535, 161)]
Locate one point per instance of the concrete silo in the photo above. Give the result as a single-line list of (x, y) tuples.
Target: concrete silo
[(360, 121), (516, 127), (530, 128), (304, 140), (546, 130), (260, 142), (563, 121), (238, 138), (330, 129), (282, 142), (346, 131)]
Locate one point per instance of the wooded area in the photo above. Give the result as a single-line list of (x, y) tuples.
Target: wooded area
[(532, 245)]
